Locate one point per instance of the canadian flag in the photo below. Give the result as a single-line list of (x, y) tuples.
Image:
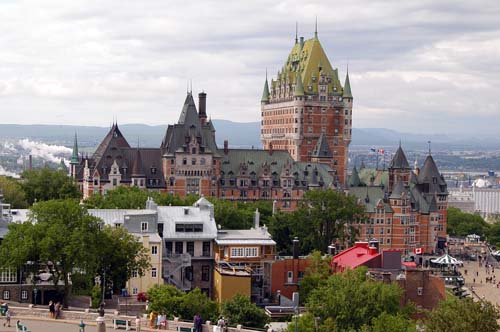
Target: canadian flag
[(418, 251)]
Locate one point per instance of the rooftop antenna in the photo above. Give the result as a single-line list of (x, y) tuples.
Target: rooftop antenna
[(400, 142), (296, 32), (429, 142), (191, 86)]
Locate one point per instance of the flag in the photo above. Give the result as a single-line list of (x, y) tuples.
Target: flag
[(418, 251), (373, 149), (380, 151)]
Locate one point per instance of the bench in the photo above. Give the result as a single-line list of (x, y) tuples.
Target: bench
[(21, 328), (121, 322), (184, 329)]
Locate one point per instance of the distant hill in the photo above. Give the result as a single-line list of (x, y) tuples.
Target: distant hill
[(238, 134)]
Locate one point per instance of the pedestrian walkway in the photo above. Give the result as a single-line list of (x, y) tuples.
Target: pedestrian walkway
[(476, 278)]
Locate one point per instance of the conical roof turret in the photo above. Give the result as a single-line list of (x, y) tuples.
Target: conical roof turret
[(75, 160), (399, 160), (347, 87), (265, 93)]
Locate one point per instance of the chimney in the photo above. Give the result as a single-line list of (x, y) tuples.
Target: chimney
[(271, 148), (202, 107), (30, 162), (295, 248), (301, 43), (226, 147), (332, 250), (256, 219)]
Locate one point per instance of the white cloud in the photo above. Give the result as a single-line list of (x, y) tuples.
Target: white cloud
[(418, 66)]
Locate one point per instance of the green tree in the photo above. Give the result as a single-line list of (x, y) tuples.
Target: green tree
[(316, 275), (350, 301), (60, 236), (173, 302), (391, 323), (196, 302), (46, 184), (120, 253), (13, 193), (239, 310), (454, 315), (493, 234), (461, 224), (240, 215), (134, 198), (323, 216)]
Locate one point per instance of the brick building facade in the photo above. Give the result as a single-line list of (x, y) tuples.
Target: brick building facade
[(406, 209), (306, 111)]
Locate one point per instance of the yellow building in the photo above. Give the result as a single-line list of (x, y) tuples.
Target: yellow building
[(137, 284), (243, 260), (229, 281)]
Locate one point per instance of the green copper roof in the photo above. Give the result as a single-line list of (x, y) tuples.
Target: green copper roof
[(309, 60), (75, 160), (265, 93), (347, 87), (299, 87)]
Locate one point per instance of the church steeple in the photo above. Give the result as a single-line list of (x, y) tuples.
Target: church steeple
[(75, 160)]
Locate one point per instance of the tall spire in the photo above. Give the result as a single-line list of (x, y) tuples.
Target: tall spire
[(265, 93), (316, 29), (347, 86), (75, 160), (296, 32)]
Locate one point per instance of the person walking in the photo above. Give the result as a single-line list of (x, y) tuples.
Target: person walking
[(198, 322), (7, 318)]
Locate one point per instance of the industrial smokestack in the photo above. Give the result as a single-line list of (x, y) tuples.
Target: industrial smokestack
[(256, 219), (226, 147)]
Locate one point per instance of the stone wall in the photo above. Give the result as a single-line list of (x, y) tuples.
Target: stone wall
[(90, 317)]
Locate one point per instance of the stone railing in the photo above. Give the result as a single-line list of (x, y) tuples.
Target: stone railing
[(89, 318)]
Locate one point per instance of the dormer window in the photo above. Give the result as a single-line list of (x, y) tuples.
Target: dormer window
[(193, 151), (153, 170)]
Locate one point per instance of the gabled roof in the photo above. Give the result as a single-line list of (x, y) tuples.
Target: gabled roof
[(322, 149), (399, 160), (189, 114), (138, 167), (114, 139), (430, 177), (398, 190), (358, 255), (354, 180)]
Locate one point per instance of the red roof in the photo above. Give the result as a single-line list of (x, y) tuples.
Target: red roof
[(360, 254), (410, 264)]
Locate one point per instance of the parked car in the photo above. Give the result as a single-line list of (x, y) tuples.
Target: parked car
[(142, 297)]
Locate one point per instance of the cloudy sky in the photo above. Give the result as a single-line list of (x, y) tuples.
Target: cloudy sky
[(416, 66)]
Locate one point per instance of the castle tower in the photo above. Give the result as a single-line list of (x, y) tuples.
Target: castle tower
[(399, 169), (306, 104)]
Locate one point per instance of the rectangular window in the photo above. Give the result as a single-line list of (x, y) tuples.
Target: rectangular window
[(168, 247), (135, 274), (154, 250), (24, 295), (135, 291), (153, 272), (244, 252), (179, 247), (206, 249), (144, 226), (205, 272), (188, 273), (6, 295), (190, 248)]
